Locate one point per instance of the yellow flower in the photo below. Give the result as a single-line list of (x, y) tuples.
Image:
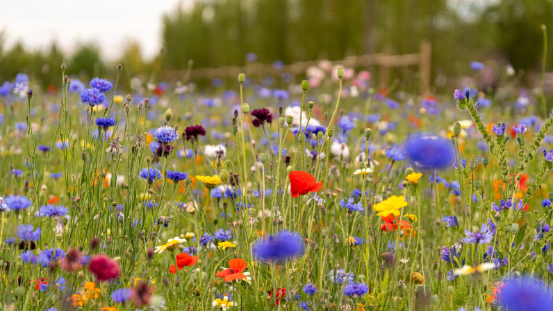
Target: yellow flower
[(98, 108), (414, 177), (223, 303), (189, 235), (90, 291), (364, 171), (144, 196), (209, 181), (390, 206), (411, 217), (136, 280), (471, 270), (171, 244), (226, 244), (118, 99)]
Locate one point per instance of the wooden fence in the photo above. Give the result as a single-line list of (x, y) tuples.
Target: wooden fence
[(382, 60)]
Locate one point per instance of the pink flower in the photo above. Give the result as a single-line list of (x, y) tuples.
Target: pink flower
[(104, 268)]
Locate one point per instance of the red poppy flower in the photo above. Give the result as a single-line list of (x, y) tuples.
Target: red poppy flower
[(390, 224), (302, 183), (39, 282), (280, 293), (237, 266), (184, 260)]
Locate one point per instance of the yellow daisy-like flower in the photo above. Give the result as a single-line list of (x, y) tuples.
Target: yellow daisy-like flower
[(118, 99), (411, 217), (189, 235), (364, 171), (466, 270), (209, 181), (414, 177), (171, 244), (390, 206), (223, 303), (98, 108), (226, 244)]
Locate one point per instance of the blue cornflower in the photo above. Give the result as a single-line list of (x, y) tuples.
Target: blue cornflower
[(176, 176), (458, 95), (526, 294), (356, 193), (50, 255), (310, 289), (17, 202), (190, 250), (449, 254), (222, 235), (101, 85), (51, 210), (483, 236), (280, 94), (60, 284), (62, 144), (216, 193), (304, 305), (356, 289), (451, 221), (150, 175), (450, 276), (476, 66), (395, 154), (206, 238), (5, 89), (92, 97), (351, 205), (105, 123), (166, 134), (519, 129), (21, 126), (546, 203), (43, 148), (346, 124), (429, 152), (121, 295), (17, 173), (153, 147), (340, 276), (56, 175), (29, 257), (463, 163), (76, 86), (282, 246), (499, 129), (392, 103)]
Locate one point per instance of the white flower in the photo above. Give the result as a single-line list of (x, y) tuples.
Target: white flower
[(338, 149), (363, 171), (471, 270), (214, 151)]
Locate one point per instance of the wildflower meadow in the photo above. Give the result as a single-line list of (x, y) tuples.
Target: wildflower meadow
[(275, 193)]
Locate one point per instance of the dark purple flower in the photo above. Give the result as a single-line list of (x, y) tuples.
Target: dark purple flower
[(192, 132), (261, 116)]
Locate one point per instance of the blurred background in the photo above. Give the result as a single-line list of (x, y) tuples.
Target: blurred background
[(155, 39)]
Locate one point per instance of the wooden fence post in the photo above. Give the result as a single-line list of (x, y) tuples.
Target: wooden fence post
[(424, 66)]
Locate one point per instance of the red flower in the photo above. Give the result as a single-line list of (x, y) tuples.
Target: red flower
[(103, 268), (390, 224), (236, 265), (302, 183), (280, 293), (39, 282), (183, 260)]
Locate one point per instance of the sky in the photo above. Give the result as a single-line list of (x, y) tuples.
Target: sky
[(109, 23)]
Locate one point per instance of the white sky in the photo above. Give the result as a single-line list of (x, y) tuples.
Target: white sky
[(109, 23)]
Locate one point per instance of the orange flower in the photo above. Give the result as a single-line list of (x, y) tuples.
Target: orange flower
[(390, 224), (237, 266), (39, 282), (54, 200), (302, 183), (184, 260), (109, 309)]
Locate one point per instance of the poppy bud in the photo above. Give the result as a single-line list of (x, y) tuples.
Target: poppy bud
[(477, 184), (514, 227), (262, 158), (289, 120), (368, 133), (330, 133), (281, 121), (241, 78), (311, 104), (289, 169), (485, 161), (245, 108), (20, 291), (472, 164), (252, 211), (224, 175), (457, 129), (305, 85), (320, 135), (168, 114), (340, 73)]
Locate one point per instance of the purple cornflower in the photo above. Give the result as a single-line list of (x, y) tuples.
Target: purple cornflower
[(526, 294), (26, 233), (476, 66), (53, 211), (449, 254), (101, 85), (43, 148), (176, 176), (458, 95), (351, 206), (429, 152), (356, 289), (222, 235), (483, 236), (121, 295), (346, 124), (92, 97), (29, 257), (76, 86), (451, 221), (395, 154), (340, 276), (192, 132), (261, 116), (17, 202), (150, 175), (499, 129), (282, 246), (519, 129), (206, 238), (105, 123), (309, 289), (166, 135)]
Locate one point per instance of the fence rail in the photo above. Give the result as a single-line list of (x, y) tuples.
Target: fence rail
[(381, 60)]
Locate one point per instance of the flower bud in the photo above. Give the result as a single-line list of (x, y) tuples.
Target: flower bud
[(63, 66), (311, 104), (485, 161), (168, 114), (30, 94), (289, 169), (224, 175), (305, 85), (146, 102), (472, 164), (457, 129), (245, 108), (127, 108), (330, 133), (119, 67), (129, 97), (340, 73), (477, 184), (241, 78), (368, 133), (320, 135), (281, 121), (262, 158), (289, 120)]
